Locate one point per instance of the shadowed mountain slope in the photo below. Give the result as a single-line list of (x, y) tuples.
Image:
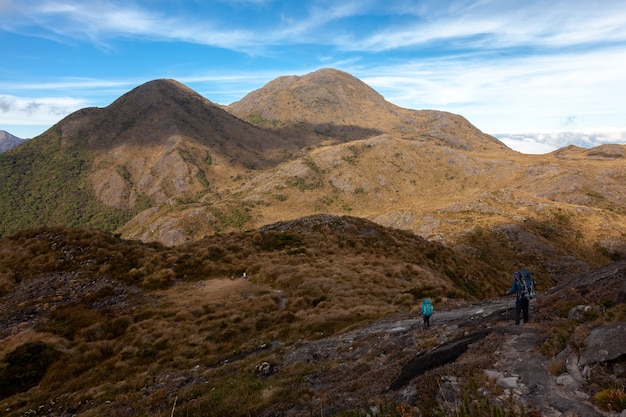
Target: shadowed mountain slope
[(161, 113), (158, 142)]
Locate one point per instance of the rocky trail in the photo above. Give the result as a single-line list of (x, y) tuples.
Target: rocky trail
[(388, 357), (388, 360)]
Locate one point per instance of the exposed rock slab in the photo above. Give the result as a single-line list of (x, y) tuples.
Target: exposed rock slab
[(605, 343)]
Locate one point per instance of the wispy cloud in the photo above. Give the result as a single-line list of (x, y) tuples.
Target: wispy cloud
[(468, 24), (575, 84), (487, 25), (103, 22)]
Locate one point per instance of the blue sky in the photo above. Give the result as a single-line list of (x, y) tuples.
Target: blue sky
[(537, 74)]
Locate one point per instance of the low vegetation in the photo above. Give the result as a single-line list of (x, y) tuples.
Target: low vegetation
[(120, 315), (46, 185), (125, 328)]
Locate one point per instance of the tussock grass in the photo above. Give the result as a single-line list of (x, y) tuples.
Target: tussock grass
[(557, 366), (611, 399), (192, 309)]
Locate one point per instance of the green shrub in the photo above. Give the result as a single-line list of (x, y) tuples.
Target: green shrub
[(278, 241)]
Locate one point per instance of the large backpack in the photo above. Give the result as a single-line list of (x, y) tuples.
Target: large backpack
[(427, 308), (526, 285)]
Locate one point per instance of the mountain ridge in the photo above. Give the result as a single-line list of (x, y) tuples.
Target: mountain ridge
[(183, 272), (162, 163)]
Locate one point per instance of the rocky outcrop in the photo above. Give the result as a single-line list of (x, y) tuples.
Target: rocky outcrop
[(605, 344)]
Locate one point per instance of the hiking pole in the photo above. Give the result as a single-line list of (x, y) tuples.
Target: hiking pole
[(506, 317)]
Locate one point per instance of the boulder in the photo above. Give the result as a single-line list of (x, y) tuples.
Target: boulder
[(605, 343), (579, 312)]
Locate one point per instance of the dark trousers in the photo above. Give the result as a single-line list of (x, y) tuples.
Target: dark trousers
[(521, 309), (426, 321)]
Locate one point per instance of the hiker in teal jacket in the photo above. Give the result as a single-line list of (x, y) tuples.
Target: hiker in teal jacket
[(426, 311)]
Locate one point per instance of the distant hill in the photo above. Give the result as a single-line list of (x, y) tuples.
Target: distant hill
[(163, 163), (8, 141), (337, 106)]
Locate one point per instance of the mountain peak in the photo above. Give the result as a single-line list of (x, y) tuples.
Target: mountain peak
[(324, 96), (335, 103), (161, 88), (161, 96)]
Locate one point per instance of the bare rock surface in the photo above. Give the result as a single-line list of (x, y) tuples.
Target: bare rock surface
[(605, 343), (386, 355)]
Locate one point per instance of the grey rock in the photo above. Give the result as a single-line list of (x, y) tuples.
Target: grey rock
[(567, 381), (493, 374), (508, 382), (605, 343), (576, 313), (572, 366), (582, 395), (263, 369)]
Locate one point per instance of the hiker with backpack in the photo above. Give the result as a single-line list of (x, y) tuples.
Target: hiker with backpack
[(524, 287), (426, 311)]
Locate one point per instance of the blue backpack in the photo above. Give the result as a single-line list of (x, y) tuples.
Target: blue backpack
[(526, 285), (427, 308)]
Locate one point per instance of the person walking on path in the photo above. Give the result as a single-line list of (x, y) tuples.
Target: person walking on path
[(426, 311), (521, 302)]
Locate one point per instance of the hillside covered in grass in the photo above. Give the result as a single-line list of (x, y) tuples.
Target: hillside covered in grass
[(113, 314), (314, 314), (162, 163)]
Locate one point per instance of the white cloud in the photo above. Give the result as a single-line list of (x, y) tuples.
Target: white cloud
[(513, 94), (486, 25), (491, 25), (548, 141), (36, 111)]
